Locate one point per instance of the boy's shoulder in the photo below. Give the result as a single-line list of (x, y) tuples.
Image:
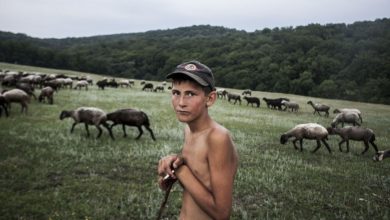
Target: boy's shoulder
[(218, 134)]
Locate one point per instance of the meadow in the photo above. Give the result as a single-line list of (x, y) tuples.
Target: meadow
[(48, 173)]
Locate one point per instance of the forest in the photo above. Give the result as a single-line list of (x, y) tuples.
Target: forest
[(338, 61)]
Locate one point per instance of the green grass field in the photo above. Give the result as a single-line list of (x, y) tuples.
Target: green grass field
[(48, 173)]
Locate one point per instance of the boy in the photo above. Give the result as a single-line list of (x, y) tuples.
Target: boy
[(208, 162)]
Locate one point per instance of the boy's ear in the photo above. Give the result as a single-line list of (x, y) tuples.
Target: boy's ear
[(211, 98)]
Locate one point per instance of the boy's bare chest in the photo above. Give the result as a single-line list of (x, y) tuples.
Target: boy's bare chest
[(195, 153)]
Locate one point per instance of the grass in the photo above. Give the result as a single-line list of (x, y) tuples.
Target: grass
[(48, 173)]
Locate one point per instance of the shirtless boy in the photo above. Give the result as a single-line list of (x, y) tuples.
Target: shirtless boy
[(208, 162)]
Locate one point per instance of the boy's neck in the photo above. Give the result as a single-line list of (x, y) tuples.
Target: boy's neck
[(200, 125)]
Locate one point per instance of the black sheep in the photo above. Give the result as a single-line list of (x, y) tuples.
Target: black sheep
[(130, 117), (148, 86), (275, 103), (252, 100)]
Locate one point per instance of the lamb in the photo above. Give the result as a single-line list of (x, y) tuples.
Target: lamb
[(354, 133), (380, 155), (311, 131), (130, 117), (82, 83), (290, 105), (88, 116), (252, 100), (319, 108), (3, 105), (48, 93), (346, 117), (17, 95), (340, 110)]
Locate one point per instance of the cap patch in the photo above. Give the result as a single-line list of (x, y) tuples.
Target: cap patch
[(190, 67)]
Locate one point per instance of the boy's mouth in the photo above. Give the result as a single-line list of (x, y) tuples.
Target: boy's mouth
[(182, 112)]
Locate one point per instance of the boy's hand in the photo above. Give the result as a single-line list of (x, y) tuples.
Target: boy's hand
[(166, 165)]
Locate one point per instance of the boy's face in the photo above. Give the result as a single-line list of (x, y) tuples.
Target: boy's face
[(189, 100)]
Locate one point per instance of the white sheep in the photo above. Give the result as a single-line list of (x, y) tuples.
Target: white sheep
[(18, 96), (341, 110), (290, 105), (355, 133), (311, 131), (46, 92), (81, 83), (88, 116), (346, 117), (124, 82)]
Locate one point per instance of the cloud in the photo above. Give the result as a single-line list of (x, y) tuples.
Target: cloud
[(73, 18)]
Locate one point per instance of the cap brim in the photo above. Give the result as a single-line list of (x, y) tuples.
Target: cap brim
[(191, 75)]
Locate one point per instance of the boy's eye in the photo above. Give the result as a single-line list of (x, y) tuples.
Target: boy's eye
[(175, 93), (190, 94)]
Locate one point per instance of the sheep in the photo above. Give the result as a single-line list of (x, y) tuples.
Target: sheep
[(340, 110), (68, 82), (123, 83), (148, 86), (234, 97), (28, 88), (380, 155), (88, 116), (346, 117), (17, 95), (101, 84), (112, 83), (48, 93), (52, 83), (159, 88), (290, 105), (275, 103), (82, 83), (247, 92), (130, 117), (354, 133), (222, 93), (3, 105), (319, 108), (311, 131), (252, 100)]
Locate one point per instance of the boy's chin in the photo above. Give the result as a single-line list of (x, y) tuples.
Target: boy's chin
[(183, 119)]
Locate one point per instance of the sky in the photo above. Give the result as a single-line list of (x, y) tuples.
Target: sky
[(84, 18)]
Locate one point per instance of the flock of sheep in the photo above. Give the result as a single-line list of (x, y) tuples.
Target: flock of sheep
[(22, 87), (314, 131)]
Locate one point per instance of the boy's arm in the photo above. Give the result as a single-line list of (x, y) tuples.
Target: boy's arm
[(223, 165)]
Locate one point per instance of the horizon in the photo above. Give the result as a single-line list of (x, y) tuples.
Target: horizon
[(167, 29)]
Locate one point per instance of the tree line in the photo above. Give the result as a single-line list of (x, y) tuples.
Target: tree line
[(342, 61)]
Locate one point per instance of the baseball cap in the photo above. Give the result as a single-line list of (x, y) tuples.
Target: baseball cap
[(197, 71)]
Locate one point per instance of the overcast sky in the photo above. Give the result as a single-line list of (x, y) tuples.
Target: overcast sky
[(78, 18)]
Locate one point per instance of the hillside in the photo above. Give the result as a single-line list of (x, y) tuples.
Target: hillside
[(332, 61), (46, 172)]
